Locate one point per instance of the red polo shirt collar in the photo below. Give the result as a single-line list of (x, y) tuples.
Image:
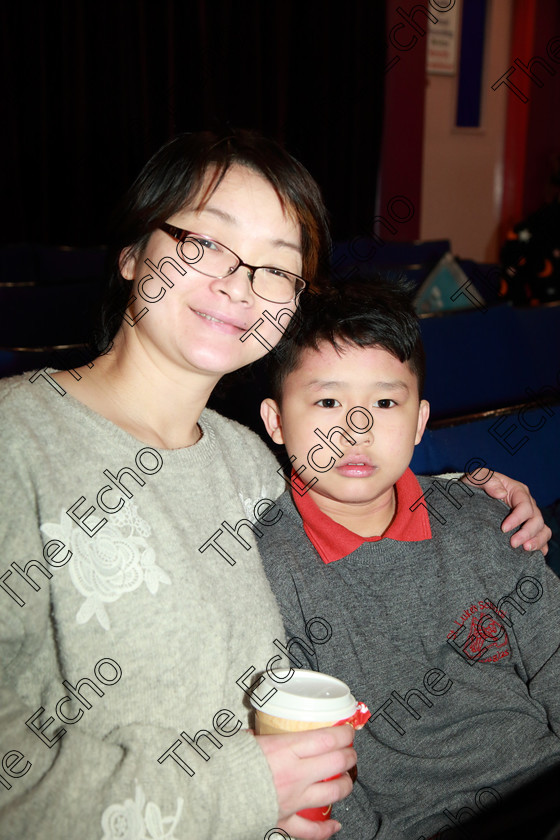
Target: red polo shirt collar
[(334, 541)]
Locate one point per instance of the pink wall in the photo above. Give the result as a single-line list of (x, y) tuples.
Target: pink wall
[(462, 168), (470, 185)]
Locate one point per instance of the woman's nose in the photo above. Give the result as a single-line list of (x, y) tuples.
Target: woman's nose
[(237, 285)]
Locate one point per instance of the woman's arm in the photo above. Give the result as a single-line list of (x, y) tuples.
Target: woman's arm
[(103, 763), (300, 762), (118, 765), (533, 534)]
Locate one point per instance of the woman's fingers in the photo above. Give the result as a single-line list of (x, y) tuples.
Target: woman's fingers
[(307, 829), (533, 534), (301, 761), (326, 792), (321, 741)]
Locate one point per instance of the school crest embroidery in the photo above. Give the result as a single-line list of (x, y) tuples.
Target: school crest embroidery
[(485, 632)]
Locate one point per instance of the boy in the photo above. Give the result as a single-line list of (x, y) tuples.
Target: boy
[(449, 635)]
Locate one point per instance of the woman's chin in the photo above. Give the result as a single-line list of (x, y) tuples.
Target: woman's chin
[(214, 364)]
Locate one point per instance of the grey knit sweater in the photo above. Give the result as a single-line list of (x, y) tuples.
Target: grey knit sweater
[(465, 699), (123, 631)]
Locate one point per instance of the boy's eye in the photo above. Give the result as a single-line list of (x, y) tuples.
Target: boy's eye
[(384, 404), (328, 403)]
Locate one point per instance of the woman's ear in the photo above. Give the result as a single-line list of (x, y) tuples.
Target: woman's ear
[(423, 415), (128, 260), (272, 419)]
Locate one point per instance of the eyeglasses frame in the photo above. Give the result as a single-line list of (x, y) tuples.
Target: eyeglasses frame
[(181, 235)]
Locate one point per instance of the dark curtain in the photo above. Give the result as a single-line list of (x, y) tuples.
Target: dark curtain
[(92, 89)]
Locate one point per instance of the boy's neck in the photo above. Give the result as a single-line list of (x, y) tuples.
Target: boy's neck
[(367, 519)]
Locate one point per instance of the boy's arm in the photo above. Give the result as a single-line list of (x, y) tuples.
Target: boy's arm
[(527, 600), (527, 608), (537, 633), (301, 630), (279, 551)]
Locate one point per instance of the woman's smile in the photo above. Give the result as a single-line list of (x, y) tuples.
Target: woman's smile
[(227, 324)]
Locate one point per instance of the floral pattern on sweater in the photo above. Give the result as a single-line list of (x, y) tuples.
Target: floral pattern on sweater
[(118, 561), (125, 821)]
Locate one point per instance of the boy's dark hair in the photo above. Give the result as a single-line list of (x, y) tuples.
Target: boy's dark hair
[(372, 312), (173, 179)]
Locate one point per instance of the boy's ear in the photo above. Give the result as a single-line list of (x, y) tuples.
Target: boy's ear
[(272, 419), (423, 415), (127, 263)]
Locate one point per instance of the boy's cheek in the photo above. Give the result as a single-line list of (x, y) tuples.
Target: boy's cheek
[(299, 446), (297, 449)]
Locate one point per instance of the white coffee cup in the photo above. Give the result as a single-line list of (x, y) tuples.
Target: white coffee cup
[(307, 700)]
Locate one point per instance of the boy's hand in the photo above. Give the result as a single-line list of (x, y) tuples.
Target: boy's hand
[(534, 534), (299, 761)]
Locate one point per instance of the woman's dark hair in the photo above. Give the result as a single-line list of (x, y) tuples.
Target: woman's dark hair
[(174, 177), (372, 312)]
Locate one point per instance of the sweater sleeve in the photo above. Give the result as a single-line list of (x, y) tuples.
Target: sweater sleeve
[(527, 607), (135, 779), (534, 611), (283, 577)]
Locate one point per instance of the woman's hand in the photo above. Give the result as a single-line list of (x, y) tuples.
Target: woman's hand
[(534, 534), (299, 761)]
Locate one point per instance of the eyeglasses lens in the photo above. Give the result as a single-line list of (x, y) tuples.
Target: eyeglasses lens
[(215, 260)]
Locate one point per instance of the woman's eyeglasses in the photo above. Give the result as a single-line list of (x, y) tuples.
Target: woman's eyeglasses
[(211, 258)]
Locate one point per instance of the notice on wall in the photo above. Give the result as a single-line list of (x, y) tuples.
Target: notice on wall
[(443, 36)]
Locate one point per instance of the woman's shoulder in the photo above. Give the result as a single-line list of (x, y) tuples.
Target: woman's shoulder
[(233, 432), (32, 416), (254, 464), (32, 384), (24, 395), (14, 387)]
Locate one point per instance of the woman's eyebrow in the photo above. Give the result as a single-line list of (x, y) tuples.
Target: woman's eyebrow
[(221, 214), (231, 220)]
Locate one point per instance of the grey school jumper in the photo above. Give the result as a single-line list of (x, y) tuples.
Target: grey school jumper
[(454, 726), (129, 638)]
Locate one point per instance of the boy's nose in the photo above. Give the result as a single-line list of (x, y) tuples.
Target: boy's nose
[(354, 439), (360, 422), (364, 438)]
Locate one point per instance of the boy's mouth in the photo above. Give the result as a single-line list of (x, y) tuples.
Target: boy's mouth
[(356, 466)]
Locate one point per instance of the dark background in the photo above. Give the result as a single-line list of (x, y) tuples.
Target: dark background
[(93, 89)]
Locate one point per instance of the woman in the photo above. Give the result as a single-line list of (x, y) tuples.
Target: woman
[(126, 674)]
